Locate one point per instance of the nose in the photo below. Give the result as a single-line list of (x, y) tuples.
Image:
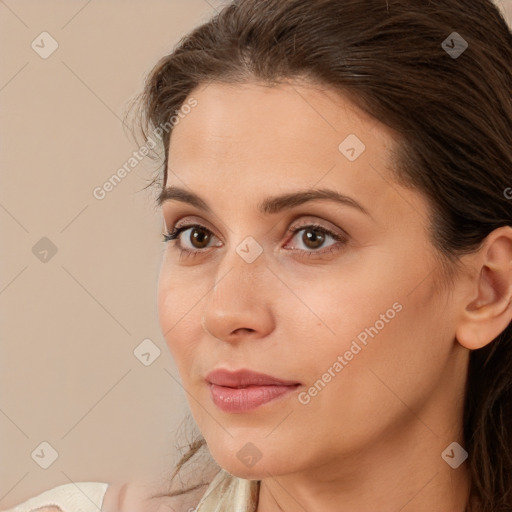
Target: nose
[(239, 305)]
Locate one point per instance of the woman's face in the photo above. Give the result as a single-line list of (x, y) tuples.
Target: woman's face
[(336, 296)]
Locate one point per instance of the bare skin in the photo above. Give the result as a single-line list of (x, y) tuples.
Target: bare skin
[(372, 438), (138, 496)]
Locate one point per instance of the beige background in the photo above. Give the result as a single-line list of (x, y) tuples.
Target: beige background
[(69, 326)]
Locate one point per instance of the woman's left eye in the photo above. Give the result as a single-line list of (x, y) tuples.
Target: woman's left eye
[(313, 238)]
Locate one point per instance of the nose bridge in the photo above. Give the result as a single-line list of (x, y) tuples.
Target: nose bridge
[(237, 278), (238, 299)]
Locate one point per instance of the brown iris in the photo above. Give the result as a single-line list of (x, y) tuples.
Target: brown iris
[(200, 235), (313, 236)]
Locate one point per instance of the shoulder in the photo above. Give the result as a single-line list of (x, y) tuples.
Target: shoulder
[(84, 496), (138, 497), (49, 509), (181, 494)]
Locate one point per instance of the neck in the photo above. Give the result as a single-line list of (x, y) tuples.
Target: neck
[(403, 473)]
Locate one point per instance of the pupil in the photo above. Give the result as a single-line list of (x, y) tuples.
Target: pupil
[(314, 238), (202, 237)]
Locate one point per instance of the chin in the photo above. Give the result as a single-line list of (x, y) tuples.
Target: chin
[(239, 470), (248, 462)]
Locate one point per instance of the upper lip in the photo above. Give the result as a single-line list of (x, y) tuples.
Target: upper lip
[(241, 378)]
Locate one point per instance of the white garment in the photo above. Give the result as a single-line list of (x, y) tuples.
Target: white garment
[(74, 497), (226, 493)]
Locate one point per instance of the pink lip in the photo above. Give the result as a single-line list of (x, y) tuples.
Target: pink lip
[(242, 378), (245, 390)]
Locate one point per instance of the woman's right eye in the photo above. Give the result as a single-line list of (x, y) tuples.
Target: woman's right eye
[(200, 234)]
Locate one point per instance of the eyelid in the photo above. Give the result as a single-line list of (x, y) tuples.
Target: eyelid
[(305, 220), (308, 220), (188, 220)]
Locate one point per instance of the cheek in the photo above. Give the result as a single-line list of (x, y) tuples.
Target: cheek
[(402, 354), (377, 384), (179, 314), (342, 301), (380, 313)]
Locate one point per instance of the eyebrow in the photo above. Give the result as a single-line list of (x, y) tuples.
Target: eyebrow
[(271, 205)]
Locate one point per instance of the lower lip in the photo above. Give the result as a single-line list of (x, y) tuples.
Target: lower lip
[(246, 399)]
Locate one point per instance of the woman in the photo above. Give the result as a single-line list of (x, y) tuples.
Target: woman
[(337, 286)]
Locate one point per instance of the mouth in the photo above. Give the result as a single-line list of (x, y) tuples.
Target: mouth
[(245, 390)]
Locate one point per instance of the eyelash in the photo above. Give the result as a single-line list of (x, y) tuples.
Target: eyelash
[(184, 252)]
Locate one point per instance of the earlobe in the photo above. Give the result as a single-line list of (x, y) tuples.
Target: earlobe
[(489, 310)]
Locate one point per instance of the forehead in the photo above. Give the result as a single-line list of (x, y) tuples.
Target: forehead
[(254, 140), (255, 121)]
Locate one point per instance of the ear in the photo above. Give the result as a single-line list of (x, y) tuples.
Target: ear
[(488, 308)]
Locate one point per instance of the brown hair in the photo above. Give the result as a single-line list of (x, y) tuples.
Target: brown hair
[(453, 114)]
